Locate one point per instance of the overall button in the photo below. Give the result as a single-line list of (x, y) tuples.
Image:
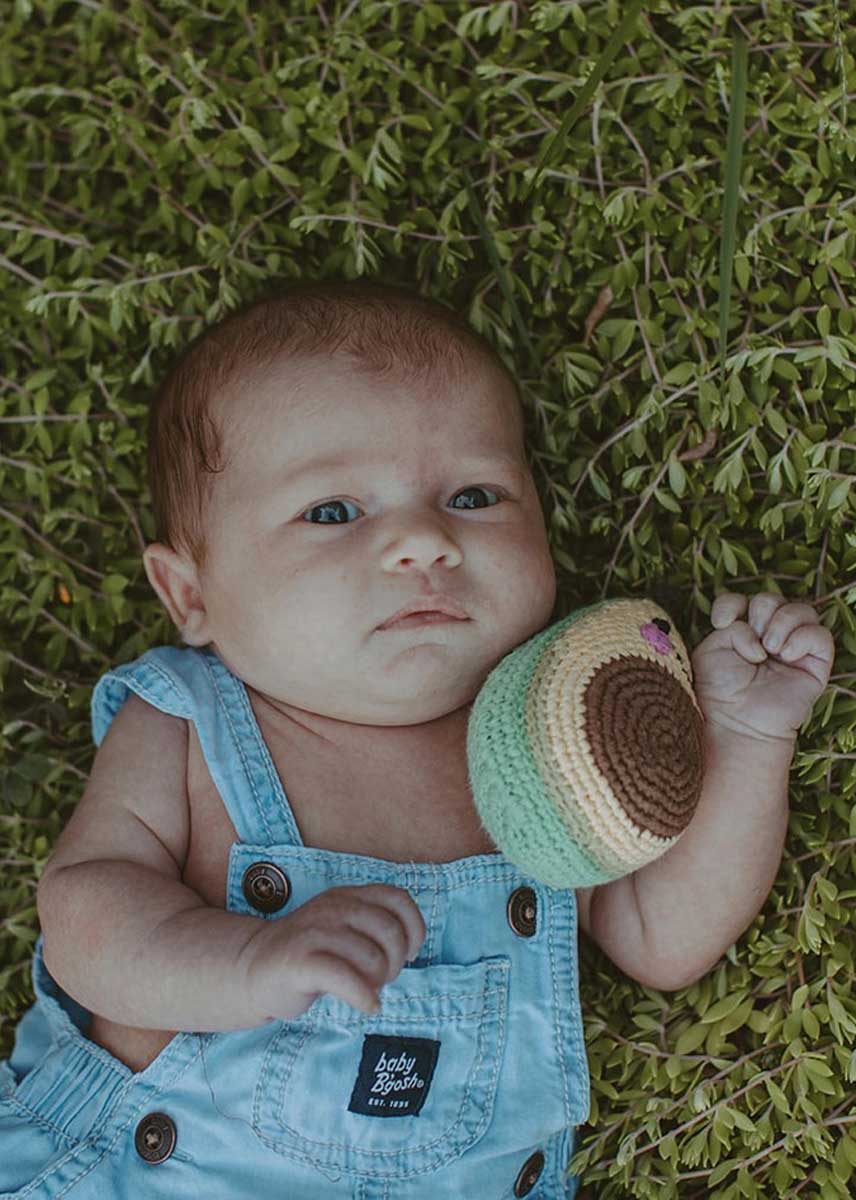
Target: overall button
[(529, 1175), (522, 910), (155, 1138), (266, 887)]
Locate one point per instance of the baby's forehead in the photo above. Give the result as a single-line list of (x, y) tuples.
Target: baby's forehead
[(453, 362), (294, 385)]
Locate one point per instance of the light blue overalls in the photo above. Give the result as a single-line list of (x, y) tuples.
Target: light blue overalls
[(468, 1082)]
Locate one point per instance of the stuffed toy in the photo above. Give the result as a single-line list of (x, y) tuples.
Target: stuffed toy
[(585, 745)]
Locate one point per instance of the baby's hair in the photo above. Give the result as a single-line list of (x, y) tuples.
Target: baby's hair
[(383, 328)]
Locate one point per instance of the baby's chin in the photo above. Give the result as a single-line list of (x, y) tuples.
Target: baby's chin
[(409, 700), (403, 680)]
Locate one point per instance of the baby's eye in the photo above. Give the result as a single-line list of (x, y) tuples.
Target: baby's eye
[(326, 507), (477, 488), (336, 506)]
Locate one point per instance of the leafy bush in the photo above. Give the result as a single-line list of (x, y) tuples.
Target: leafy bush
[(166, 161)]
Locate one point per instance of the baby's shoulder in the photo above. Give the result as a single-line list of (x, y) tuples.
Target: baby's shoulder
[(135, 802)]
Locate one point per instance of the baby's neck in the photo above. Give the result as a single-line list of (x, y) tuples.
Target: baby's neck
[(399, 793), (385, 747)]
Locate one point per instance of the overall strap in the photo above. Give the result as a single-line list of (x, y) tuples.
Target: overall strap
[(196, 685)]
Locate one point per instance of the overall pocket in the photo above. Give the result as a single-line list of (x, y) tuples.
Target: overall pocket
[(392, 1095)]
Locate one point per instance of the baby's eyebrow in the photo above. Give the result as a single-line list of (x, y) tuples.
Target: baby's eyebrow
[(321, 466)]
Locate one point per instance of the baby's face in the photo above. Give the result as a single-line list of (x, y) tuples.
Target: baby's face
[(345, 497)]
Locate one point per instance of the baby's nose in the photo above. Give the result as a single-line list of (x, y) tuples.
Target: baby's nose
[(421, 543)]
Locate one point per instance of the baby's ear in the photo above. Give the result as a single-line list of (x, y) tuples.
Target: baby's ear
[(176, 582)]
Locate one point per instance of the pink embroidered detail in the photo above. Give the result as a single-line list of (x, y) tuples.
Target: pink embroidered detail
[(656, 638)]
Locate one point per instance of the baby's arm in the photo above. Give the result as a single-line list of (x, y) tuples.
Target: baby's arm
[(128, 940), (669, 923), (756, 680)]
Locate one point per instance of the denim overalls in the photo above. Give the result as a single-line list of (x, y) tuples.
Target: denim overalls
[(467, 1083)]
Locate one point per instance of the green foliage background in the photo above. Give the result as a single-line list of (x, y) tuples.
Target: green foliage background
[(164, 161)]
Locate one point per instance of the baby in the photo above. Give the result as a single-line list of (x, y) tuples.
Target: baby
[(279, 954)]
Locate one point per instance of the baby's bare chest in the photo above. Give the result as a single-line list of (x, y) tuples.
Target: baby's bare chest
[(339, 809)]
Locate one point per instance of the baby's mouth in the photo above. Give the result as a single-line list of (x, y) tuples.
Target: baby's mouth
[(423, 618), (429, 609)]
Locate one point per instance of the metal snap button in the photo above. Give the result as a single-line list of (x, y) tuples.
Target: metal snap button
[(522, 911), (155, 1137), (529, 1175), (265, 887)]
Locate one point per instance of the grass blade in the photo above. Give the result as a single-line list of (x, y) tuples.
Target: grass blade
[(733, 157), (619, 36), (500, 272)]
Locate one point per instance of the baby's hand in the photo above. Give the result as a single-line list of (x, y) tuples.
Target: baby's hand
[(761, 676), (348, 941)]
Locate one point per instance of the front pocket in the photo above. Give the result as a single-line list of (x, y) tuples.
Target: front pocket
[(395, 1094)]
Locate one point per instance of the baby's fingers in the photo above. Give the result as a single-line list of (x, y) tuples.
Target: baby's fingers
[(336, 975), (738, 637), (811, 647), (732, 606), (783, 622), (360, 957), (382, 908), (379, 935)]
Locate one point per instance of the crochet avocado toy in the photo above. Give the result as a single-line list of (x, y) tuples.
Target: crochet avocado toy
[(585, 745)]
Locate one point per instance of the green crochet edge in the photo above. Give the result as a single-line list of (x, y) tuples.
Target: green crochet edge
[(507, 789)]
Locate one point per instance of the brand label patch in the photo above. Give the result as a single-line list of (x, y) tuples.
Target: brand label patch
[(394, 1076)]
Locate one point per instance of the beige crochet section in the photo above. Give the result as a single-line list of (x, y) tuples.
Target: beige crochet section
[(617, 734)]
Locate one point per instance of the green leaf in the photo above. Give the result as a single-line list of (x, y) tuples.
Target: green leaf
[(741, 270), (839, 495), (623, 340), (680, 374), (722, 1008), (730, 561), (777, 1096), (668, 502), (741, 1120), (37, 380), (677, 477), (722, 1171), (691, 1039)]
